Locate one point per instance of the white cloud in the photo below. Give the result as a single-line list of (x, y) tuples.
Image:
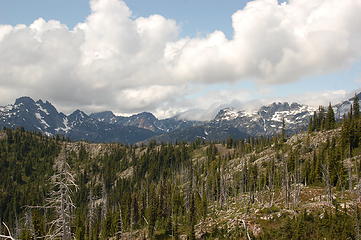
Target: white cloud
[(115, 61), (318, 98), (206, 106), (210, 104), (274, 43)]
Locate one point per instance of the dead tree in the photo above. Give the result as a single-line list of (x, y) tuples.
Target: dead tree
[(286, 185), (119, 233), (222, 183), (356, 203), (271, 183), (60, 199), (28, 225), (295, 191), (356, 218), (91, 211), (9, 236), (104, 209), (350, 177), (327, 180)]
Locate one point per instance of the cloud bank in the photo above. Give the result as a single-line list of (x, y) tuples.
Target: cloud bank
[(114, 61)]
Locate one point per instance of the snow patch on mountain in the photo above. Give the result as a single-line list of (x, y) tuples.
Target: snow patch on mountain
[(227, 114), (42, 109), (7, 108), (41, 120), (106, 126), (66, 128)]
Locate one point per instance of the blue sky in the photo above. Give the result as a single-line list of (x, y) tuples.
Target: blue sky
[(195, 19)]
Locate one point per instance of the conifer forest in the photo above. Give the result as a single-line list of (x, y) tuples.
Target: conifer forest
[(302, 186)]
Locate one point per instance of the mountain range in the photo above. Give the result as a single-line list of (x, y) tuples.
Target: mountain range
[(105, 126)]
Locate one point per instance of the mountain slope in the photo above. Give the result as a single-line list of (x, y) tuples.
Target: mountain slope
[(267, 120), (107, 127), (204, 133), (266, 189)]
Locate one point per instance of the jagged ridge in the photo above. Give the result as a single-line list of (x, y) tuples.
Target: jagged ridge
[(107, 127)]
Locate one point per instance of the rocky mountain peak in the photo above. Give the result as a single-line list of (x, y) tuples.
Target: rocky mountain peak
[(24, 100), (145, 115), (77, 117), (103, 114), (78, 113), (227, 114), (276, 106), (46, 107), (107, 127), (145, 120)]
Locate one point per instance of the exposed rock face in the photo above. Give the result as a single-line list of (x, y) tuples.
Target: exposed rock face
[(43, 117), (107, 127), (267, 120)]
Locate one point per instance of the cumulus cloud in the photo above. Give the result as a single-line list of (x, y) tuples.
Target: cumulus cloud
[(274, 42), (115, 61)]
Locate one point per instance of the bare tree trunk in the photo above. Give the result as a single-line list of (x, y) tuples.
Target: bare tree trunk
[(357, 222), (60, 199), (222, 188), (29, 223), (350, 177), (286, 185), (246, 229), (356, 202), (91, 211), (9, 236), (326, 178), (104, 201), (120, 225)]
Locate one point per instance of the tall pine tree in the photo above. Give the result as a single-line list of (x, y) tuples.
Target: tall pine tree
[(356, 107), (330, 118)]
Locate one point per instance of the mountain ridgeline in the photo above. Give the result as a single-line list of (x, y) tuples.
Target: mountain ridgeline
[(43, 117), (304, 186)]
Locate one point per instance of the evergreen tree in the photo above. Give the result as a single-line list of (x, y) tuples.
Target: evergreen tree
[(330, 118), (283, 131), (356, 107), (321, 118), (152, 215), (311, 126)]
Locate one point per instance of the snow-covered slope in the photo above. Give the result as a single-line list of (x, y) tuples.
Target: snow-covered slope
[(267, 120), (34, 116), (100, 127), (107, 127)]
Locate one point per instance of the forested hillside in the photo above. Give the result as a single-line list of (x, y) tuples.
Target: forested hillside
[(284, 187)]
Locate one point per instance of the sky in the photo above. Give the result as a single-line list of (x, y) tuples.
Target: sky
[(185, 58)]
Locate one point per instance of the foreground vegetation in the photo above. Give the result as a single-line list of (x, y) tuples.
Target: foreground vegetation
[(304, 186)]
